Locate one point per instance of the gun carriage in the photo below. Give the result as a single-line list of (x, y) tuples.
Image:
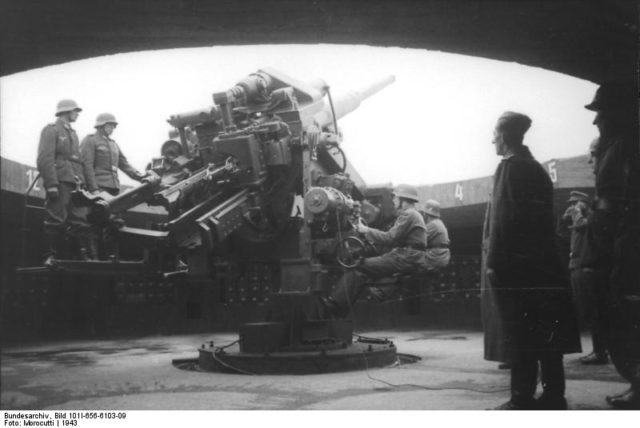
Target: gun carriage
[(256, 183)]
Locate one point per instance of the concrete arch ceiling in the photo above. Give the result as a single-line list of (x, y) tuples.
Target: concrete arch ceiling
[(593, 40)]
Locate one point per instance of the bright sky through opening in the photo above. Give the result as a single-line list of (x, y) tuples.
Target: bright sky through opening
[(433, 125)]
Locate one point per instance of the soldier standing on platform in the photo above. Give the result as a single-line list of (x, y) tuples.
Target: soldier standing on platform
[(102, 158), (528, 313), (61, 170), (584, 278), (614, 229)]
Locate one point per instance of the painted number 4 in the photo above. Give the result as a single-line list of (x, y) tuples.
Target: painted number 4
[(458, 193)]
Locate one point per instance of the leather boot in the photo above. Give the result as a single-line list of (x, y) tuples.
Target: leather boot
[(553, 383), (628, 400), (595, 359), (82, 243), (54, 242), (92, 245)]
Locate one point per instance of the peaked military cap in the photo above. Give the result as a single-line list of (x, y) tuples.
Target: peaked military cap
[(614, 96), (575, 196)]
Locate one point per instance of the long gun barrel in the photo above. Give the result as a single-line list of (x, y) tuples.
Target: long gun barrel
[(350, 101)]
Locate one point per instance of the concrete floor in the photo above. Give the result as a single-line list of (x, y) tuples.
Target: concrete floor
[(137, 374)]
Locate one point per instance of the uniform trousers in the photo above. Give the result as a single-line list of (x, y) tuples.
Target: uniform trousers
[(351, 284), (589, 298), (61, 212), (617, 243), (524, 377)]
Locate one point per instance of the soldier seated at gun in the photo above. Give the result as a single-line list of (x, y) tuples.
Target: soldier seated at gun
[(408, 239), (437, 254), (171, 166)]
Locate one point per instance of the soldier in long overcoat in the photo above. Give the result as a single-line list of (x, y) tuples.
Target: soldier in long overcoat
[(529, 316)]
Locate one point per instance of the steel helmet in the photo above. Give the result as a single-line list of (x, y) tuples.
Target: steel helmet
[(432, 208), (104, 118), (67, 105), (406, 191)]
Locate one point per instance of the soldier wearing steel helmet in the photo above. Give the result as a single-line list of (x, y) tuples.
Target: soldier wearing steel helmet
[(438, 254), (407, 237), (102, 157), (61, 170)]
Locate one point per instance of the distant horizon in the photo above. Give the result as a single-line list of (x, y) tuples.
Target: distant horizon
[(433, 125)]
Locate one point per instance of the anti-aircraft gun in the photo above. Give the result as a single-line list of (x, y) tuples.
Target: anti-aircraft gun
[(258, 182)]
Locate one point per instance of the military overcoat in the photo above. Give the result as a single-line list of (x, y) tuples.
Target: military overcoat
[(527, 306)]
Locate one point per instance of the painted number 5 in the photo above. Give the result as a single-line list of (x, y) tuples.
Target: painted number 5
[(553, 173)]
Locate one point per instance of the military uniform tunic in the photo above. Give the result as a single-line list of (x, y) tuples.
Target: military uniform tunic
[(102, 158), (437, 254), (59, 165), (408, 237)]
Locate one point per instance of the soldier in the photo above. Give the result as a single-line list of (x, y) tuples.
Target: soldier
[(102, 158), (614, 229), (526, 300), (583, 278), (61, 169), (437, 254), (408, 237)]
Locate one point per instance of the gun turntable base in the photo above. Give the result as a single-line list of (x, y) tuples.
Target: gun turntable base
[(362, 354)]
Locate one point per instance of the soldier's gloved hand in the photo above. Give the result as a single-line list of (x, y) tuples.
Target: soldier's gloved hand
[(150, 177), (52, 193)]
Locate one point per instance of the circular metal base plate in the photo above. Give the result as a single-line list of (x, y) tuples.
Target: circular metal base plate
[(357, 356)]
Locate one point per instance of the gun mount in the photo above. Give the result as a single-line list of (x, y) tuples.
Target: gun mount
[(258, 183)]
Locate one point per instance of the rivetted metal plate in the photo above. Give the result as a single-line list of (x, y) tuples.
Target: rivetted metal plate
[(358, 356)]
